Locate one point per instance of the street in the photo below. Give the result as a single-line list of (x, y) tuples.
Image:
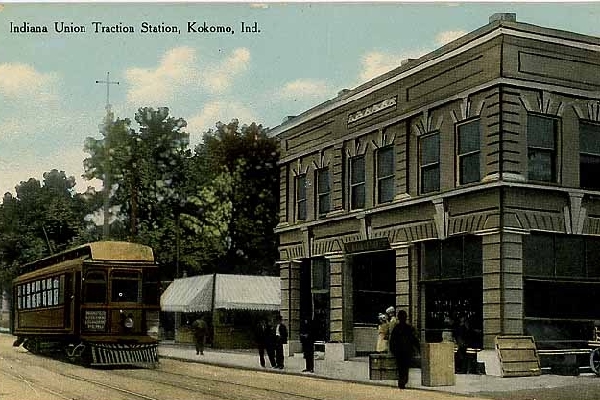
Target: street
[(25, 376)]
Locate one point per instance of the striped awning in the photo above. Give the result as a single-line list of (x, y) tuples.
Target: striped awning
[(231, 292), (193, 294)]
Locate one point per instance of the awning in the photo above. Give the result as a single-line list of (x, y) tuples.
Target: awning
[(231, 292), (193, 294)]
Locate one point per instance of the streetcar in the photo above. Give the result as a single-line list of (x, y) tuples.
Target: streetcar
[(97, 304)]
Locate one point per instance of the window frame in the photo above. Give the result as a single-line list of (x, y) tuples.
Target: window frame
[(358, 185), (553, 152), (428, 166), (588, 154), (323, 198), (300, 206), (385, 178), (460, 157)]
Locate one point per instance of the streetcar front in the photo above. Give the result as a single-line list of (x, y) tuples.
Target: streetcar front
[(119, 319)]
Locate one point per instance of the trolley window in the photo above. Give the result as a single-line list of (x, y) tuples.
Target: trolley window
[(150, 289), (125, 286), (95, 287), (41, 293)]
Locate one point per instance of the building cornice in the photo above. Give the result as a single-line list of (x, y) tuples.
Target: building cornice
[(429, 62), (512, 82)]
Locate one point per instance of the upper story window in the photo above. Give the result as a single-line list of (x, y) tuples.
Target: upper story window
[(589, 157), (385, 174), (323, 191), (468, 152), (429, 162), (541, 148), (357, 182), (301, 197)]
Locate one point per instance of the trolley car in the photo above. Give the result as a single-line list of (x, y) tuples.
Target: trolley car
[(98, 304)]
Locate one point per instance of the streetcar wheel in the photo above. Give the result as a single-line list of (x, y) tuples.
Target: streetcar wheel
[(595, 361)]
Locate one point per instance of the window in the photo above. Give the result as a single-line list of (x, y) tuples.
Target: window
[(589, 157), (323, 191), (357, 182), (455, 257), (301, 197), (41, 293), (374, 284), (385, 174), (429, 162), (468, 152), (320, 274), (566, 256), (541, 148), (125, 286), (94, 289)]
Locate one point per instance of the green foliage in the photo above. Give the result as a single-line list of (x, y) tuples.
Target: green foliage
[(211, 210), (42, 219)]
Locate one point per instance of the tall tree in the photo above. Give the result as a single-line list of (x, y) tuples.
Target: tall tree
[(249, 157), (45, 217)]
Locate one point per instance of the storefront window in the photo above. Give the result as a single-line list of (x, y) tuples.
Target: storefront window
[(456, 257), (374, 284)]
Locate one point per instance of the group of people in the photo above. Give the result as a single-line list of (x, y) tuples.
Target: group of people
[(270, 341), (397, 337)]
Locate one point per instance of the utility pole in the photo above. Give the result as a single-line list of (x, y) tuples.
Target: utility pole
[(105, 129)]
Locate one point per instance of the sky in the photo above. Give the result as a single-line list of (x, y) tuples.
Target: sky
[(304, 54)]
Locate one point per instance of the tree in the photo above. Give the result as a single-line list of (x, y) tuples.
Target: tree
[(249, 157), (44, 218)]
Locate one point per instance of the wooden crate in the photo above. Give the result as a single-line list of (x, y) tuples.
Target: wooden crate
[(382, 367)]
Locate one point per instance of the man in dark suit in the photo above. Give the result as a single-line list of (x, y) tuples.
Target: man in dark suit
[(403, 341), (281, 336), (307, 338)]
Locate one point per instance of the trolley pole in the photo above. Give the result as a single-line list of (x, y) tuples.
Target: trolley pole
[(108, 120)]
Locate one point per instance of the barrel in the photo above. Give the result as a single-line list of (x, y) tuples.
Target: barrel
[(382, 366)]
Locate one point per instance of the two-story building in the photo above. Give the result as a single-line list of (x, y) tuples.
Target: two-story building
[(463, 184)]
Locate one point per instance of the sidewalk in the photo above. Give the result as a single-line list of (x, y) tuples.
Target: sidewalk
[(357, 370)]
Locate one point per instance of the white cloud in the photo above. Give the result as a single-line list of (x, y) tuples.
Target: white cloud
[(448, 36), (23, 82), (180, 70), (301, 89), (175, 71), (213, 112), (376, 63), (220, 77)]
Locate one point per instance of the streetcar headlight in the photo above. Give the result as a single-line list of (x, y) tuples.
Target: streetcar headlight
[(128, 323)]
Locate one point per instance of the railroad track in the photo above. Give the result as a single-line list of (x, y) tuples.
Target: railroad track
[(193, 386), (214, 387)]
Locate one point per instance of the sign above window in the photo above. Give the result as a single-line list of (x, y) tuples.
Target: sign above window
[(372, 109)]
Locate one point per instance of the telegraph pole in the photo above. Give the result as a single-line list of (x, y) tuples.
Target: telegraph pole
[(105, 129)]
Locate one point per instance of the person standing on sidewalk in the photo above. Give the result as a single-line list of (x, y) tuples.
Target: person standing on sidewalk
[(403, 341), (200, 330), (281, 337), (264, 341), (383, 334), (307, 338)]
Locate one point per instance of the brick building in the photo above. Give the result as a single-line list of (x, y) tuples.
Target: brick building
[(465, 183)]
